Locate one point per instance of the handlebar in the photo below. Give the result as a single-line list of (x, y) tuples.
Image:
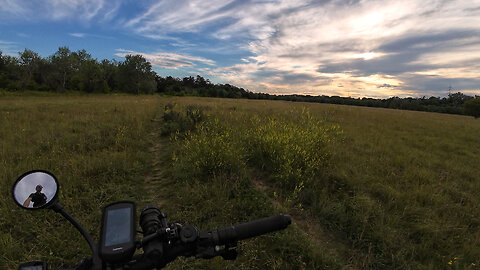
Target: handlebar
[(163, 243), (207, 244), (253, 228)]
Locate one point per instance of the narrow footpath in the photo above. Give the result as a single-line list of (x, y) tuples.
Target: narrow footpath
[(156, 192), (317, 235), (156, 182)]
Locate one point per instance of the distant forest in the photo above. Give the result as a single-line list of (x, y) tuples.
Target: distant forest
[(68, 70)]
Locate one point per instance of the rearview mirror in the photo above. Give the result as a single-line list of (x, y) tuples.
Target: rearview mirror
[(35, 189)]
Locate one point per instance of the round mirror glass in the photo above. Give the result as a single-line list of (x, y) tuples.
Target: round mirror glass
[(35, 189)]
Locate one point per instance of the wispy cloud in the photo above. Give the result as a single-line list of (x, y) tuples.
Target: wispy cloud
[(344, 41), (9, 48), (173, 16), (78, 35), (12, 7), (56, 10), (355, 47), (168, 60)]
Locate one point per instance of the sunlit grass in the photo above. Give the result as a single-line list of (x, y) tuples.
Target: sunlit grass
[(401, 187), (392, 189)]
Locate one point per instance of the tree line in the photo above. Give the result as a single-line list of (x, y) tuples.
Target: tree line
[(454, 103), (67, 70)]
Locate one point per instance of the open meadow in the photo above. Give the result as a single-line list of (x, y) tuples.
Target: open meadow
[(367, 188), (93, 144)]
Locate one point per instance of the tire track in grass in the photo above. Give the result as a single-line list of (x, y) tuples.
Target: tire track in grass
[(317, 235), (157, 191), (156, 181)]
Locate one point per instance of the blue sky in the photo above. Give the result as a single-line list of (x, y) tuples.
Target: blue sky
[(358, 48), (27, 186)]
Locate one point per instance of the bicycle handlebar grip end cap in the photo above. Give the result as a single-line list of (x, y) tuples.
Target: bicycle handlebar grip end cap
[(287, 219), (254, 228)]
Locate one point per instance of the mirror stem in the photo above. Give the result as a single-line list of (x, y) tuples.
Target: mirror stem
[(57, 207)]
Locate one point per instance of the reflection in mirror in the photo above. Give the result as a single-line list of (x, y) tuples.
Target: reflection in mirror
[(35, 189)]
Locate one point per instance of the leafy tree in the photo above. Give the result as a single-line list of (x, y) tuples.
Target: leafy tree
[(3, 80), (83, 69), (2, 65), (90, 77), (136, 75), (63, 67), (30, 63), (47, 76), (9, 72), (458, 98), (189, 81), (200, 81), (472, 107), (109, 73)]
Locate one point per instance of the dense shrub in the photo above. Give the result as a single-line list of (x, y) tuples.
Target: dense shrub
[(177, 120), (209, 152), (472, 107), (289, 149)]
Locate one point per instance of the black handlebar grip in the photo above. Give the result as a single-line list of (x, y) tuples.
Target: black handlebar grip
[(253, 228)]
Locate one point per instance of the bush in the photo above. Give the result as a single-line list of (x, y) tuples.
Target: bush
[(472, 107), (177, 120), (290, 150), (209, 152)]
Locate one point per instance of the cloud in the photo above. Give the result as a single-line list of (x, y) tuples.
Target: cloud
[(78, 35), (13, 7), (375, 47), (9, 48), (168, 60), (56, 10), (369, 46), (174, 16)]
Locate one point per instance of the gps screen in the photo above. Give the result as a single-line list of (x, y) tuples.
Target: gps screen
[(35, 267), (118, 226)]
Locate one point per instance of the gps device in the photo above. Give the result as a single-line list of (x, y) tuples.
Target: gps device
[(117, 236), (35, 265)]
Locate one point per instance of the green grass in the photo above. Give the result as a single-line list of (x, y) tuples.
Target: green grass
[(210, 187), (400, 188), (368, 188), (412, 182), (95, 146)]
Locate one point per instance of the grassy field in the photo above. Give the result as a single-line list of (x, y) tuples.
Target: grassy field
[(94, 145), (389, 189), (367, 188)]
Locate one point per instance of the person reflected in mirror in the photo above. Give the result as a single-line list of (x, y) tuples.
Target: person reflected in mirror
[(38, 198)]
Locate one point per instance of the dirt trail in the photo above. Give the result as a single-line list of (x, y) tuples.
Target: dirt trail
[(156, 193), (317, 235), (156, 181)]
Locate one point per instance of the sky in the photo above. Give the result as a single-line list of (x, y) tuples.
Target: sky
[(26, 186), (357, 48)]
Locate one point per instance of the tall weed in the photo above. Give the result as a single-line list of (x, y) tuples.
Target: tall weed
[(179, 120), (210, 151), (290, 149), (214, 162)]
